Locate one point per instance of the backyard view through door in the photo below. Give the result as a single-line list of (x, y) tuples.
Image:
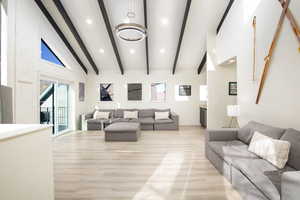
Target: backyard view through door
[(54, 105)]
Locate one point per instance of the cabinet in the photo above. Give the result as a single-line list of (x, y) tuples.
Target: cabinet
[(203, 117)]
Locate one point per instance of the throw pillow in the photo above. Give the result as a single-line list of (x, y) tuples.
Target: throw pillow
[(272, 150), (131, 114), (101, 115), (161, 115)]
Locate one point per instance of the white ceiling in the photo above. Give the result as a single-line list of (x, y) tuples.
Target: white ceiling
[(164, 25)]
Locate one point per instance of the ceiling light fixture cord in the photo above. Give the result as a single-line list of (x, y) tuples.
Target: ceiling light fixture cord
[(131, 31), (131, 9)]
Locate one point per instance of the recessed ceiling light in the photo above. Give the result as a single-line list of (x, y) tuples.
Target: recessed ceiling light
[(162, 50), (164, 21), (101, 50), (132, 51), (89, 21)]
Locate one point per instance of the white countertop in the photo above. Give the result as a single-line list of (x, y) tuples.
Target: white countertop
[(14, 130)]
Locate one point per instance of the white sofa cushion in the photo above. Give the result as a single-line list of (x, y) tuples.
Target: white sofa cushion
[(272, 150), (131, 114), (101, 115), (161, 115)]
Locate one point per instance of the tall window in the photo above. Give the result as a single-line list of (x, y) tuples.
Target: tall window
[(3, 32), (49, 55)]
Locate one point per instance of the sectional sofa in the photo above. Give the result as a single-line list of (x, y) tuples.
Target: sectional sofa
[(146, 118), (253, 177)]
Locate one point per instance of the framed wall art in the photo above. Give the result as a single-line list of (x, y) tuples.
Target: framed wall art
[(134, 91), (81, 91), (158, 92), (185, 90), (232, 88), (106, 92)]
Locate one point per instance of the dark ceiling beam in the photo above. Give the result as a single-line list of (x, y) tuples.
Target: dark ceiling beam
[(60, 33), (186, 13), (204, 59), (203, 62), (110, 34), (75, 33), (146, 39), (225, 15)]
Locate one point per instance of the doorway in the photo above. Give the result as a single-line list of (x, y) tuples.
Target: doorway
[(54, 105)]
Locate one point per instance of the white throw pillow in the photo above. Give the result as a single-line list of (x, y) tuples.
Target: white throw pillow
[(161, 115), (130, 114), (101, 115), (274, 151)]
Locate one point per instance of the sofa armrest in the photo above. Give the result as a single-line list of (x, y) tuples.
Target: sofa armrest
[(88, 116), (290, 184), (174, 117), (83, 122), (83, 119), (221, 135)]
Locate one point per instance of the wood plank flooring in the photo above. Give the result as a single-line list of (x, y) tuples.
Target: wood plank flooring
[(162, 165)]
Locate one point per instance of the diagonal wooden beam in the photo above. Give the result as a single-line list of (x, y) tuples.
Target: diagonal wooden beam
[(225, 15), (75, 33), (146, 39), (203, 62), (110, 34), (186, 13), (292, 20), (60, 33), (271, 51)]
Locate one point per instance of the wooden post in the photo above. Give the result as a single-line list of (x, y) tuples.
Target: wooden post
[(254, 48), (271, 50), (293, 22)]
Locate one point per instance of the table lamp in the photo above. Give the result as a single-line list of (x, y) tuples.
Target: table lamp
[(233, 111)]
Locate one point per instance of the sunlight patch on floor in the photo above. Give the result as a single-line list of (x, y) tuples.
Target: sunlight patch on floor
[(153, 188)]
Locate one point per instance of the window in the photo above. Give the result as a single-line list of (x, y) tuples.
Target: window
[(49, 55), (3, 33)]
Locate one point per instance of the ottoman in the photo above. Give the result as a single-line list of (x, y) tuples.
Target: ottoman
[(122, 131)]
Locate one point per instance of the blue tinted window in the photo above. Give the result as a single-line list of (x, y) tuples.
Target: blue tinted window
[(49, 55)]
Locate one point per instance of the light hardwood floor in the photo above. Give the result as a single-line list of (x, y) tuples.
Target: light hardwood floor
[(162, 165)]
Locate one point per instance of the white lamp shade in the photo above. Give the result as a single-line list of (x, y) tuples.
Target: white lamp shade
[(233, 110), (203, 93)]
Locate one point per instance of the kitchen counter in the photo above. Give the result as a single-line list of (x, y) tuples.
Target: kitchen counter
[(8, 131), (26, 162)]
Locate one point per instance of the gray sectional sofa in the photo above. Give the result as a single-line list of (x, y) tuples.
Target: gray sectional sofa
[(145, 118), (253, 177)]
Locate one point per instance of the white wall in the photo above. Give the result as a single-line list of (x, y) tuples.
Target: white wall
[(218, 78), (27, 26), (187, 110), (279, 104)]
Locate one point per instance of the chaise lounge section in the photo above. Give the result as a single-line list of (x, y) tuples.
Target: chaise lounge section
[(253, 177), (146, 118)]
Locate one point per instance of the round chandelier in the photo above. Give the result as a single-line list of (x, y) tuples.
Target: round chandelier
[(130, 31)]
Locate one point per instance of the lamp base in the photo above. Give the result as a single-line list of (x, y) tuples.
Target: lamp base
[(233, 123)]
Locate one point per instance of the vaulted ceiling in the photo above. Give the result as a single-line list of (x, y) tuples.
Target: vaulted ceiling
[(84, 24)]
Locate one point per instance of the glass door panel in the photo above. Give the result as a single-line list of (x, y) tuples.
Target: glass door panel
[(54, 105), (47, 102), (61, 107)]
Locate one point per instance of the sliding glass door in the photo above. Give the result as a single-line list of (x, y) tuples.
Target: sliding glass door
[(54, 105), (61, 107)]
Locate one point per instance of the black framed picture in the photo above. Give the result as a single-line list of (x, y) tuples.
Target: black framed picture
[(232, 88), (185, 90), (81, 92), (134, 91), (106, 92)]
